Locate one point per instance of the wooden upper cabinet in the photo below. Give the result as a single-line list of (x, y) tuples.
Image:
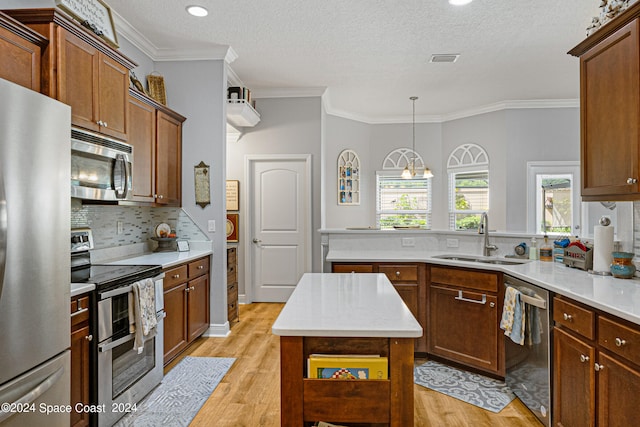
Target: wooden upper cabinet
[(94, 85), (21, 51), (169, 160), (610, 109), (81, 70), (142, 135)]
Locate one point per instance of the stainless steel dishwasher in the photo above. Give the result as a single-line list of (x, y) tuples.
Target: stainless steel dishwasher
[(528, 366)]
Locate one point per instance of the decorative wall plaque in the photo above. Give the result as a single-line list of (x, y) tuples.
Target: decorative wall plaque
[(202, 185), (94, 15)]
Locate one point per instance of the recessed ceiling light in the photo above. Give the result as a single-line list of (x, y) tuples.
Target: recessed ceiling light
[(459, 2), (198, 11)]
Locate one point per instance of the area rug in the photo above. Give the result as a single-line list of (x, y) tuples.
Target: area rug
[(484, 392), (181, 394)]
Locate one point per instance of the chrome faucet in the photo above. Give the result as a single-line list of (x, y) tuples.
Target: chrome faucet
[(483, 228)]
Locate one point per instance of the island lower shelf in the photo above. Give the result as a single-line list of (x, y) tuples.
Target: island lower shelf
[(306, 400)]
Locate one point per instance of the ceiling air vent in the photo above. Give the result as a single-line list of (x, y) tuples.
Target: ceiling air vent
[(448, 57)]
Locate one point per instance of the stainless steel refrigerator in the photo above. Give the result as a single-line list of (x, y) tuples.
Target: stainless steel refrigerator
[(34, 258)]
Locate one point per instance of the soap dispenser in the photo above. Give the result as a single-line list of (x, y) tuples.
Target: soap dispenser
[(533, 249)]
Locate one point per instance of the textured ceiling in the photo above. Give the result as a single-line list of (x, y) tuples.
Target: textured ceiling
[(371, 55)]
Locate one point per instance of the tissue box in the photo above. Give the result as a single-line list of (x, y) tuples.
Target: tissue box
[(578, 258)]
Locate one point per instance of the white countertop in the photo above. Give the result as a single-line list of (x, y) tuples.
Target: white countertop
[(81, 288), (619, 297), (346, 305), (165, 259)]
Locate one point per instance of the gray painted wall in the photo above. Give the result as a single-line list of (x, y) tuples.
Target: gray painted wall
[(197, 90), (287, 126)]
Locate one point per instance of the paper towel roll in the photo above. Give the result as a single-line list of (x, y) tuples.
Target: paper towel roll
[(602, 248)]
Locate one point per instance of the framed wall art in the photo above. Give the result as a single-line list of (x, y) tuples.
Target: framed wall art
[(202, 184), (348, 178), (232, 227), (233, 195)]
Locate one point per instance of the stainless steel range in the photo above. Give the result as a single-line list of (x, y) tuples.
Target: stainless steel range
[(123, 374)]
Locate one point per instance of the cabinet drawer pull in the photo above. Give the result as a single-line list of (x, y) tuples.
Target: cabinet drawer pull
[(89, 337), (475, 301), (620, 342), (567, 317), (632, 181), (175, 276), (584, 358), (200, 267), (397, 274), (75, 313), (598, 367)]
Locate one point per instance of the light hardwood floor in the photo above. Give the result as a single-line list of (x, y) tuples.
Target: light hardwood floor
[(249, 395)]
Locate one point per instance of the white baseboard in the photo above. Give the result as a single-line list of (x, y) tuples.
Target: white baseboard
[(217, 330)]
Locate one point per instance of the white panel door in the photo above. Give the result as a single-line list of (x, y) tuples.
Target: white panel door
[(280, 225)]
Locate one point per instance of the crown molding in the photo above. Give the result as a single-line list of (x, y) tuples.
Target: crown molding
[(213, 52), (289, 92)]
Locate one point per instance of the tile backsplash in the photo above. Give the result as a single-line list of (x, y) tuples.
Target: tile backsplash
[(138, 223)]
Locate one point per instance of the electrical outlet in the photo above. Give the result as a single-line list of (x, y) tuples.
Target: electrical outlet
[(212, 226), (408, 242), (120, 227), (452, 243)]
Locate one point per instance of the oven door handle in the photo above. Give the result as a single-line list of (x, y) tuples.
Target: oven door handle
[(103, 348)]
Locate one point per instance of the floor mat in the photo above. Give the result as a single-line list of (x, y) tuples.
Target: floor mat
[(181, 394), (484, 392)]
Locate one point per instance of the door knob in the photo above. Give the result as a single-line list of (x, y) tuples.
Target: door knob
[(257, 241)]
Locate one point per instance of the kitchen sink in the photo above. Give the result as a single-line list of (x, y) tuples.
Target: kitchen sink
[(481, 259)]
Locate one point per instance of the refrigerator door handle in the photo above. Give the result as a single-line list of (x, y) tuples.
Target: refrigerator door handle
[(3, 232), (31, 396)]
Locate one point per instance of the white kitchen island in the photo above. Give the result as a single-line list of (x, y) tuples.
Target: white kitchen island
[(346, 314)]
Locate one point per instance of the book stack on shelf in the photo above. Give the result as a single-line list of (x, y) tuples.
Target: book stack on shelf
[(240, 94), (348, 366)]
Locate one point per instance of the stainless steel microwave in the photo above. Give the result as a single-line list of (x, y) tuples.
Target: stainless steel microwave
[(100, 167)]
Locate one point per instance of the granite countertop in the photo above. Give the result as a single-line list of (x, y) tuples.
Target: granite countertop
[(619, 297), (346, 305)]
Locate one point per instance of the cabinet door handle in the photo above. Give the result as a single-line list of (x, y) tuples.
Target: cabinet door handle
[(160, 196), (632, 181), (105, 124), (584, 358), (475, 301), (397, 274), (75, 313), (99, 123), (620, 342), (567, 317), (89, 337), (186, 289), (598, 367), (193, 288)]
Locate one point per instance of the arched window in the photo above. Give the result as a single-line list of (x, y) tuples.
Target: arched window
[(402, 203), (468, 169)]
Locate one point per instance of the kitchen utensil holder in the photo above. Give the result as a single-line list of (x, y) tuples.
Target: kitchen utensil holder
[(578, 258)]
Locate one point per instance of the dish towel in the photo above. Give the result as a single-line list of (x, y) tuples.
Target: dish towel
[(142, 312), (513, 312)]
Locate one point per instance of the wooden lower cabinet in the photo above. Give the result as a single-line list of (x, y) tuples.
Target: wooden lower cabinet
[(465, 307), (233, 314), (186, 303), (409, 280), (81, 339), (596, 370), (574, 379)]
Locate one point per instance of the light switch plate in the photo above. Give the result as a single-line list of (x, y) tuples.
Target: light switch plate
[(408, 242), (212, 226)]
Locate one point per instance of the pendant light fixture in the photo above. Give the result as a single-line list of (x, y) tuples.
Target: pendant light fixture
[(410, 173)]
